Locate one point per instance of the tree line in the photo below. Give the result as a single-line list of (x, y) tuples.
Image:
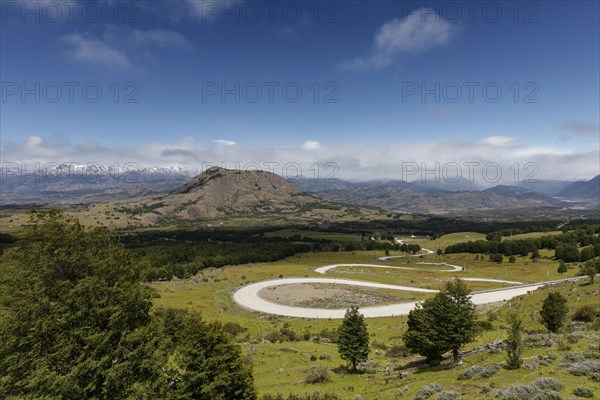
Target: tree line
[(581, 243)]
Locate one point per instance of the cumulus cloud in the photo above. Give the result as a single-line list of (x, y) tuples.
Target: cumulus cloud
[(421, 30), (354, 161)]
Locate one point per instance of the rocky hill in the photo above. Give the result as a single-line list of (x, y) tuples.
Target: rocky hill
[(219, 192), (407, 197)]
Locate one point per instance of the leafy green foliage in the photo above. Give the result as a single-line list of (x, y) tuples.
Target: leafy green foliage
[(200, 360), (585, 313), (562, 267), (565, 244), (554, 311), (514, 343), (353, 342), (76, 324), (590, 268), (442, 323)]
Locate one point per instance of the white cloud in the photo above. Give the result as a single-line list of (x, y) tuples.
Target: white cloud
[(119, 47), (355, 161), (84, 48), (499, 140), (421, 30), (224, 142), (311, 145)]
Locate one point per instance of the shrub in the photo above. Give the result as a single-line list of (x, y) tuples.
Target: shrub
[(332, 335), (573, 357), (547, 395), (449, 395), (233, 328), (585, 368), (519, 392), (479, 372), (574, 337), (313, 396), (554, 310), (581, 391), (483, 325), (548, 384), (591, 354), (540, 340), (585, 313), (539, 389), (317, 374), (397, 351), (428, 391)]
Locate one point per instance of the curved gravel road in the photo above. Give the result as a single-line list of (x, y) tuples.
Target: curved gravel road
[(248, 296)]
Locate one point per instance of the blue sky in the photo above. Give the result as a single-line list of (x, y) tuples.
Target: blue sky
[(361, 67)]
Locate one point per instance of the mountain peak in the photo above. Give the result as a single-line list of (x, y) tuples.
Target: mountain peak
[(229, 181)]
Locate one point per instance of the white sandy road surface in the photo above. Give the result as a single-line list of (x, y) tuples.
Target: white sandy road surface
[(248, 296)]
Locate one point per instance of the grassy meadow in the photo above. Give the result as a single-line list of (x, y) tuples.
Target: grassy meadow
[(281, 365)]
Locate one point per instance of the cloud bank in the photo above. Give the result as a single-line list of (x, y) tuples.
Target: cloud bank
[(354, 161)]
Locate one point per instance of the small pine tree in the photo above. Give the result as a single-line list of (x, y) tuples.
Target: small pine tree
[(562, 268), (514, 345), (512, 259), (554, 311), (442, 323), (353, 342)]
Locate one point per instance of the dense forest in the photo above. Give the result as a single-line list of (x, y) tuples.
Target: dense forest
[(165, 258), (580, 243)]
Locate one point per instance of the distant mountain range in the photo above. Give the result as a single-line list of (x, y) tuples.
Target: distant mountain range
[(194, 194), (417, 198), (67, 183), (586, 190)]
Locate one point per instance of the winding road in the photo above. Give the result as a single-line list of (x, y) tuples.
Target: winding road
[(248, 296)]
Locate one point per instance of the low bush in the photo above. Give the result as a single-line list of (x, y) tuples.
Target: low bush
[(574, 337), (484, 325), (585, 368), (233, 328), (449, 395), (591, 354), (477, 371), (584, 313), (539, 389), (397, 351), (313, 396), (427, 391), (572, 357), (317, 374), (540, 340), (581, 391)]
